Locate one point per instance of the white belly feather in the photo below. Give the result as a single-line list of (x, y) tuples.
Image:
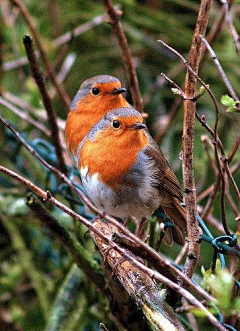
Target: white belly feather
[(118, 205)]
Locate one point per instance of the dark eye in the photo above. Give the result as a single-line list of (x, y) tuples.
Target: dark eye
[(95, 91), (116, 124)]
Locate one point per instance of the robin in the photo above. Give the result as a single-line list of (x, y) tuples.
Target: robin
[(96, 96), (125, 173)]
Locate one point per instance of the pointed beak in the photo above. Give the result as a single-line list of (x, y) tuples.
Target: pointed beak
[(118, 90), (138, 126)]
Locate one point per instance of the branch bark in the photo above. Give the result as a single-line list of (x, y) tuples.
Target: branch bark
[(141, 287), (188, 139), (52, 118), (126, 53)]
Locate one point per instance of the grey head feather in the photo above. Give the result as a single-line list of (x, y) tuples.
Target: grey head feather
[(86, 86), (106, 121)]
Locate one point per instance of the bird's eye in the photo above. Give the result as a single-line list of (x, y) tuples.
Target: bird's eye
[(115, 124), (95, 91)]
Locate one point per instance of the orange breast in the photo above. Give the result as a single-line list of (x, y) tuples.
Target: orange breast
[(87, 113), (112, 157)]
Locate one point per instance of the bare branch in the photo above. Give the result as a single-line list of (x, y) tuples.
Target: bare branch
[(31, 24), (220, 70), (52, 118), (24, 116), (138, 284), (118, 31), (66, 37), (188, 139), (229, 20)]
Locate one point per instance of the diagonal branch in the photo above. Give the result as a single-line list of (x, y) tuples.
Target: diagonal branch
[(220, 70), (232, 29), (126, 53), (31, 24), (52, 118)]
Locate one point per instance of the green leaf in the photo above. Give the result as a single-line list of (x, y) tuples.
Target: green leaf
[(215, 283), (230, 103)]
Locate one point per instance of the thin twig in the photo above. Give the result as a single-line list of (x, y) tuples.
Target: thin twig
[(205, 193), (212, 197), (32, 26), (52, 118), (66, 37), (181, 254), (65, 69), (118, 31), (207, 143), (61, 40), (234, 149), (220, 70), (235, 186), (46, 195), (170, 118), (24, 116), (229, 20)]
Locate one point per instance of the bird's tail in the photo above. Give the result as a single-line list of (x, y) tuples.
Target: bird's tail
[(177, 214)]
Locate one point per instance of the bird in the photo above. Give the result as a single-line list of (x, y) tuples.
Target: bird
[(95, 97), (125, 173)]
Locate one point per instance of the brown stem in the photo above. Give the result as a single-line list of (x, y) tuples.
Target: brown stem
[(170, 118), (212, 197), (234, 149), (188, 139), (207, 143), (31, 24), (52, 118), (141, 287), (126, 53)]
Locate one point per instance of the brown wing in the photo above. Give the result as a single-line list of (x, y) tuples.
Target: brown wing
[(167, 181)]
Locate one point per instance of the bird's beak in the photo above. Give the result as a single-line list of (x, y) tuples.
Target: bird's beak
[(138, 126), (118, 90)]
